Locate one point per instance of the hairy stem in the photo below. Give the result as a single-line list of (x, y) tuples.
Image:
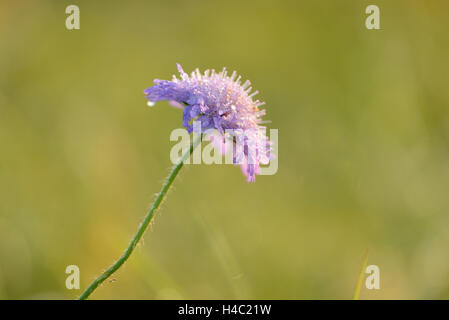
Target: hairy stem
[(143, 226)]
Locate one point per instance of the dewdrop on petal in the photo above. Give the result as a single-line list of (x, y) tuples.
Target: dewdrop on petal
[(219, 102)]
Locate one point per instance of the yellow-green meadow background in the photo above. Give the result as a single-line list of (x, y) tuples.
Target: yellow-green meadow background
[(363, 120)]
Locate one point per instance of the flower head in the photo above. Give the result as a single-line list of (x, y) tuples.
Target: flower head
[(221, 102)]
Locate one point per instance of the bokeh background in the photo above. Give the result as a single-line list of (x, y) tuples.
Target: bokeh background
[(363, 119)]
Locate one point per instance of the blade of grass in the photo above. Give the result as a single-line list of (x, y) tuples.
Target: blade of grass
[(360, 279)]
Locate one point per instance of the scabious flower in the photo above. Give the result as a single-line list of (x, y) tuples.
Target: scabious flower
[(218, 101)]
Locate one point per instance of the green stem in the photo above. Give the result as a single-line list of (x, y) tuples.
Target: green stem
[(143, 226)]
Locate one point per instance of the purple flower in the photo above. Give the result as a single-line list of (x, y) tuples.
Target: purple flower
[(221, 102)]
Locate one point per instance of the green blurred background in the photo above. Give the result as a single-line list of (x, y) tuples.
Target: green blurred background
[(363, 119)]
